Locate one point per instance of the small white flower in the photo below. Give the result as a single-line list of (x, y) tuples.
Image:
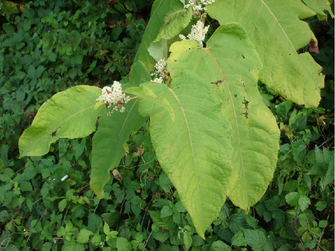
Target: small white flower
[(160, 67), (198, 32), (207, 2), (114, 96), (199, 8), (64, 178), (158, 80), (161, 71), (182, 37)]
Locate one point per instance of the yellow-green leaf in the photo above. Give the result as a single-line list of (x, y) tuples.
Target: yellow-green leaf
[(277, 32), (68, 114)]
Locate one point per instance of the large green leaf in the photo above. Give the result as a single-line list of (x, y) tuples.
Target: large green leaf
[(113, 132), (145, 93), (159, 10), (231, 63), (174, 22), (276, 31), (68, 114), (195, 149), (107, 150), (319, 6)]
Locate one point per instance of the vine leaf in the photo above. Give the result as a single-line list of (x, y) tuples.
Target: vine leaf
[(231, 63), (68, 114), (113, 132), (195, 149), (277, 33)]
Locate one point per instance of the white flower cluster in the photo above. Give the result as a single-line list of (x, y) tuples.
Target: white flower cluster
[(198, 32), (199, 6), (158, 80), (114, 96), (161, 71)]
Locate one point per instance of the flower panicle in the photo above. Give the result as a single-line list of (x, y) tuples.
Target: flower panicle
[(198, 33), (113, 95), (199, 6), (161, 72)]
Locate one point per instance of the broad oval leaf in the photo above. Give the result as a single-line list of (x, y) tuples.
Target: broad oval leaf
[(68, 114), (277, 33), (195, 149), (231, 63)]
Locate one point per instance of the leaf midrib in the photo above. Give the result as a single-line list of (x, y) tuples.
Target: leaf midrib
[(189, 136), (234, 110)]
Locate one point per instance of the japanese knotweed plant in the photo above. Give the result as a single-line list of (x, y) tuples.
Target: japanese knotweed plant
[(212, 134)]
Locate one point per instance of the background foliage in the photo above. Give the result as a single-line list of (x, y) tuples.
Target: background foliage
[(47, 47)]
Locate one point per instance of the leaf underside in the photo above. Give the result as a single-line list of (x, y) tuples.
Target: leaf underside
[(107, 150), (113, 132)]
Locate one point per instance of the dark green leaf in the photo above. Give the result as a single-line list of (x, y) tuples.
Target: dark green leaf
[(187, 240), (62, 204), (84, 235), (239, 239), (255, 238), (219, 246), (304, 202), (26, 186), (122, 244), (321, 205), (94, 221), (292, 198), (166, 211), (163, 223)]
